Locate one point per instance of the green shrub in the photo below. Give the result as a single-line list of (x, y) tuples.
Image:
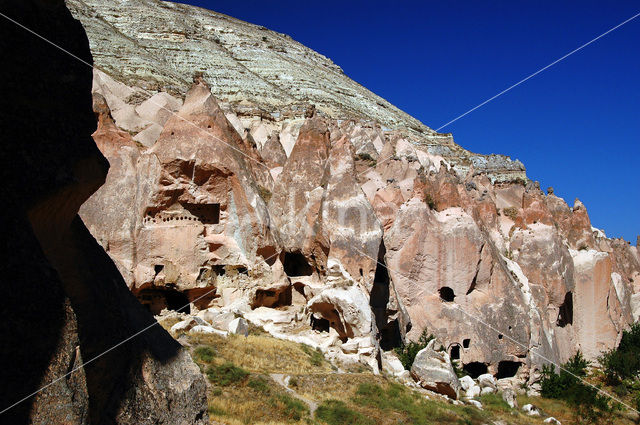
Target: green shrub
[(259, 384), (264, 193), (315, 355), (623, 362), (407, 353), (398, 398), (226, 374), (367, 157), (587, 403), (335, 412), (494, 401), (430, 201), (204, 354), (511, 212), (292, 407)]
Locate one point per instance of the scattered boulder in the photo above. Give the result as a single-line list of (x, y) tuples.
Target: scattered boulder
[(487, 381), (552, 420), (392, 365), (509, 396), (475, 403), (223, 320), (473, 391), (531, 410), (433, 370), (466, 382), (239, 326), (206, 329), (187, 324), (487, 390)]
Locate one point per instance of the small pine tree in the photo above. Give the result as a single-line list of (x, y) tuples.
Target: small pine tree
[(407, 352)]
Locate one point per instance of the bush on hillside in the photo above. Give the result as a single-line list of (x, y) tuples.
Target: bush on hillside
[(226, 374), (623, 362), (335, 412), (568, 385), (407, 352)]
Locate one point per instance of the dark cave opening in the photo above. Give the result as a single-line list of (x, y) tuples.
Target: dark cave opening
[(466, 343), (272, 298), (475, 369), (507, 369), (447, 294), (320, 324), (455, 352), (296, 264), (565, 313), (157, 299), (206, 213), (389, 335)]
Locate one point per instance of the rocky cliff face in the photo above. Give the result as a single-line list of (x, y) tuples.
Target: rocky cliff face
[(348, 225), (63, 300)]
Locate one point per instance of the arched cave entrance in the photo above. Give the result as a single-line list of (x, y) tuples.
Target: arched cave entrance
[(388, 328), (565, 313), (455, 352), (475, 369), (324, 313), (296, 264), (158, 298), (507, 369)]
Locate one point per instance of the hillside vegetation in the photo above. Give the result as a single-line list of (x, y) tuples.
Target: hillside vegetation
[(261, 380)]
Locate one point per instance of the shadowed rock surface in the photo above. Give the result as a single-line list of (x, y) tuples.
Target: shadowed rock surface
[(64, 302)]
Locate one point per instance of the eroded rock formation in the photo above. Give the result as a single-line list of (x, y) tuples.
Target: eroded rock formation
[(343, 226), (64, 302)]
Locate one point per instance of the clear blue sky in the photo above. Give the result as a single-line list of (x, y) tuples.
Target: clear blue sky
[(576, 126)]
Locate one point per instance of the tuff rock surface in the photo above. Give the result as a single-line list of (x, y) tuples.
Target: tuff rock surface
[(242, 183), (64, 303), (432, 370)]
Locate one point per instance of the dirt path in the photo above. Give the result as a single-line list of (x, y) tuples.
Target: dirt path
[(279, 379)]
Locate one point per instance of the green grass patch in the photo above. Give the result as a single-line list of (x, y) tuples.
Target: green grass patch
[(204, 354), (260, 384), (335, 412), (494, 402), (226, 374), (291, 407), (316, 358), (396, 397)]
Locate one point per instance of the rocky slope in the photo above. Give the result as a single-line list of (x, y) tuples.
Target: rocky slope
[(63, 301), (274, 188)]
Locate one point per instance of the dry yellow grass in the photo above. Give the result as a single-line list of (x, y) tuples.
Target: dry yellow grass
[(562, 412), (263, 354), (167, 321), (241, 405), (314, 379), (334, 385)]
